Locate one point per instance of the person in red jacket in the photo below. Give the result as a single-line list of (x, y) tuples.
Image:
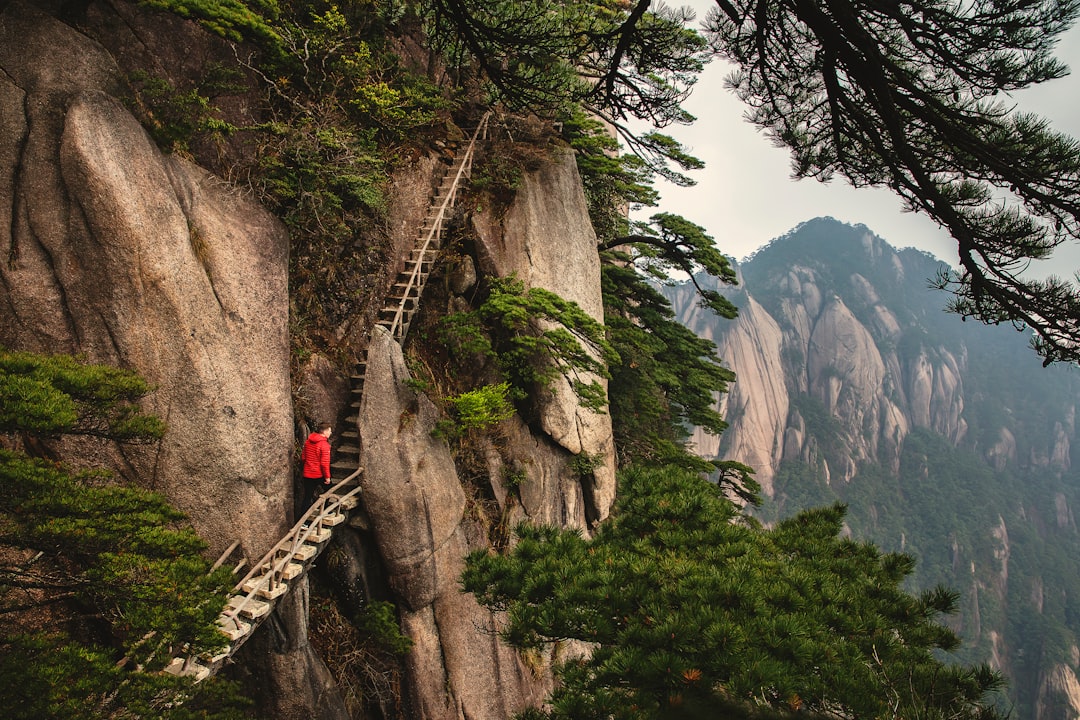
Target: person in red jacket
[(316, 459)]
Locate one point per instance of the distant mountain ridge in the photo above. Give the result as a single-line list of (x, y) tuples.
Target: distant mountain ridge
[(946, 439)]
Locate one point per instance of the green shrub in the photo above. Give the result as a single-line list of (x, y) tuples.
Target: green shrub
[(483, 407)]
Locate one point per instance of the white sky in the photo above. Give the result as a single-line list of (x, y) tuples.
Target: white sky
[(745, 197)]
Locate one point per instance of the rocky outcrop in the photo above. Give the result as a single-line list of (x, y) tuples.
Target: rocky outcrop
[(545, 239), (838, 351), (425, 519), (417, 507), (1059, 696), (146, 261), (754, 345)]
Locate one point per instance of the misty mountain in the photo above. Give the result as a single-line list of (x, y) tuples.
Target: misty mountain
[(946, 439)]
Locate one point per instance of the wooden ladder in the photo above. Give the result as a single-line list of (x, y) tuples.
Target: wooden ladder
[(254, 597)]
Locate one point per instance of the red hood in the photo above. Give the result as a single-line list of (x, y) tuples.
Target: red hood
[(316, 438)]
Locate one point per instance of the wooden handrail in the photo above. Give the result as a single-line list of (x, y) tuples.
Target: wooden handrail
[(272, 569)]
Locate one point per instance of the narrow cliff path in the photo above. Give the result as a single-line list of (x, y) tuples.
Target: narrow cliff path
[(254, 597)]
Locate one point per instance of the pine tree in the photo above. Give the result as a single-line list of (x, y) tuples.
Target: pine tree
[(98, 581), (690, 607), (908, 96)]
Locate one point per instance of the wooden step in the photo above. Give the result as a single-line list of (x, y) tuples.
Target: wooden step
[(305, 552), (214, 660), (265, 590), (350, 502), (403, 303), (390, 317), (292, 571), (427, 256), (332, 519), (252, 609), (289, 572), (319, 535), (234, 628), (188, 667)]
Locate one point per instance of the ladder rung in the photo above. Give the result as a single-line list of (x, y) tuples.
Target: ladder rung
[(252, 609), (264, 588)]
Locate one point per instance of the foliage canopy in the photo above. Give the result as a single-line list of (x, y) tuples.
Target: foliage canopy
[(689, 610), (907, 96)]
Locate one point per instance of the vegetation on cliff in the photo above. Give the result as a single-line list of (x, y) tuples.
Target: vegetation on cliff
[(96, 579), (695, 611)]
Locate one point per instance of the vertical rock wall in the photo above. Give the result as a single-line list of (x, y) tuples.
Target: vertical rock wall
[(148, 262), (424, 518), (546, 240)]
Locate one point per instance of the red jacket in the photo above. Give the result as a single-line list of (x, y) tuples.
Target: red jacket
[(316, 457)]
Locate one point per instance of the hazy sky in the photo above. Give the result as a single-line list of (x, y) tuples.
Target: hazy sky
[(745, 196)]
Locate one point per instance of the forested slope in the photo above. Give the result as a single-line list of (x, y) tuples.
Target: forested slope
[(946, 440)]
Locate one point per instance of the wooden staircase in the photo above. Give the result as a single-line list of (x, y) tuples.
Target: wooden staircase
[(254, 597)]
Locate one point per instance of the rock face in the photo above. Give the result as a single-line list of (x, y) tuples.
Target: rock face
[(753, 345), (840, 353), (545, 239), (418, 516), (146, 261), (854, 386)]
